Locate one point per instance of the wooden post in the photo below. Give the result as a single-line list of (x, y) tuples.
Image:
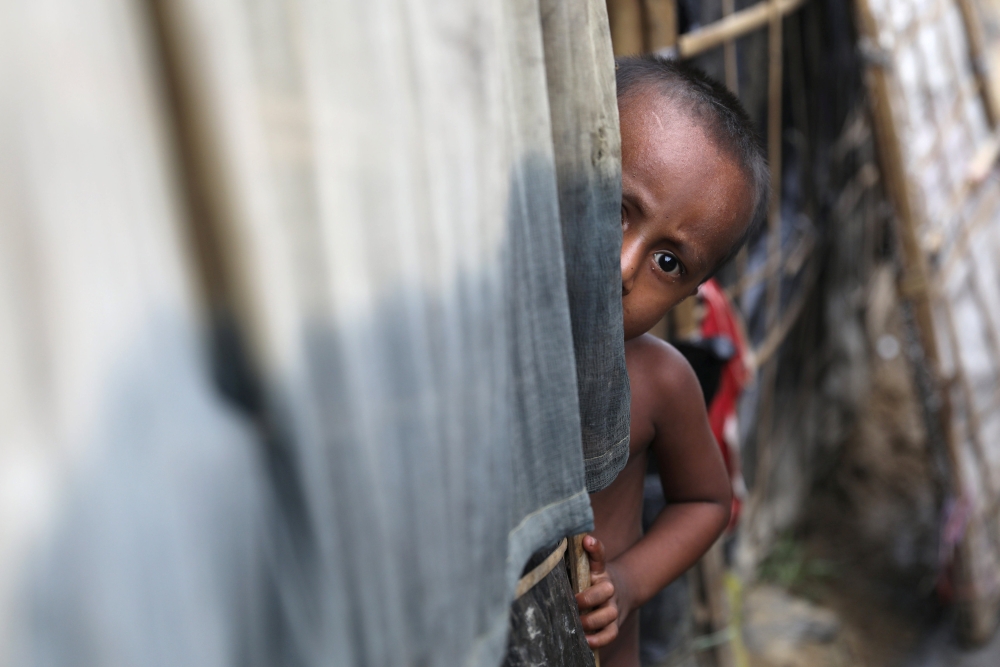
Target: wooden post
[(579, 572)]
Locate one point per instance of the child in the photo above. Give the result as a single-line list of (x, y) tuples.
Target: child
[(694, 180)]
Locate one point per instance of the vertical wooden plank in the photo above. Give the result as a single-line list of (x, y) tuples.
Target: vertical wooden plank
[(660, 21), (625, 17)]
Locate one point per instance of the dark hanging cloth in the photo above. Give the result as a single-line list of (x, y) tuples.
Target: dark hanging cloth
[(580, 75)]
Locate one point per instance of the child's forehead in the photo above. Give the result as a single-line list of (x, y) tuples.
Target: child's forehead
[(650, 118), (664, 138)]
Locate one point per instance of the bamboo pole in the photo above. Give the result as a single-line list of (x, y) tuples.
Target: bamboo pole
[(977, 52), (733, 26), (982, 216), (973, 423), (992, 331), (914, 281), (776, 335), (977, 610), (773, 297), (765, 447), (733, 84), (729, 52), (712, 568), (774, 102)]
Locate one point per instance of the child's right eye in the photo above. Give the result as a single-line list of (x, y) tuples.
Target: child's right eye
[(669, 264)]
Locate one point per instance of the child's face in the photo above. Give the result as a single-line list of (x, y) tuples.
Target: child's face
[(684, 205)]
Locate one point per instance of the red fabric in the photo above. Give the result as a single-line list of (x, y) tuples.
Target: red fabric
[(720, 319)]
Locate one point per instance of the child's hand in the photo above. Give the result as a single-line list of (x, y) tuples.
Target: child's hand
[(601, 622)]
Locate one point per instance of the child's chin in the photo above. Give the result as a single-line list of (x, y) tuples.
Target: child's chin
[(631, 334), (634, 329)]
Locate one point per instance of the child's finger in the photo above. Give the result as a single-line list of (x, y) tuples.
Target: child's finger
[(595, 552), (595, 595), (599, 618), (604, 637)]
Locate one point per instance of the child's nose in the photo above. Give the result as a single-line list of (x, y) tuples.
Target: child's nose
[(631, 261)]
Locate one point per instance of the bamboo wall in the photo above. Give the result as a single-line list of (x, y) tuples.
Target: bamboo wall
[(934, 115)]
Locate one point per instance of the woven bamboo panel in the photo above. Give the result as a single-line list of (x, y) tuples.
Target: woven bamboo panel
[(949, 210)]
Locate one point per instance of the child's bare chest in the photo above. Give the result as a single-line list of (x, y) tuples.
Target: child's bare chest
[(642, 428)]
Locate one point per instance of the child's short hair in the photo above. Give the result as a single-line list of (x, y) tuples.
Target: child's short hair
[(719, 111)]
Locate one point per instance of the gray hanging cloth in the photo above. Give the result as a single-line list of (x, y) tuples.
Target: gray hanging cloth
[(409, 213)]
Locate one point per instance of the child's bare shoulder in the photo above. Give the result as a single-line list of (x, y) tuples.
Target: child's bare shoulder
[(661, 378)]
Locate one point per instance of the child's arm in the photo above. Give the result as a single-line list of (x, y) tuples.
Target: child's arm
[(696, 487), (694, 478)]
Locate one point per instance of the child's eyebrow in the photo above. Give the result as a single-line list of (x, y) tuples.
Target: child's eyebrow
[(635, 200), (686, 252)]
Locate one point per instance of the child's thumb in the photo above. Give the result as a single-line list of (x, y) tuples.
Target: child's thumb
[(595, 553)]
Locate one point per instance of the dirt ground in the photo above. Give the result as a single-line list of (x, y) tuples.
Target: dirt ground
[(870, 631), (881, 620), (867, 549), (874, 633), (938, 649)]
